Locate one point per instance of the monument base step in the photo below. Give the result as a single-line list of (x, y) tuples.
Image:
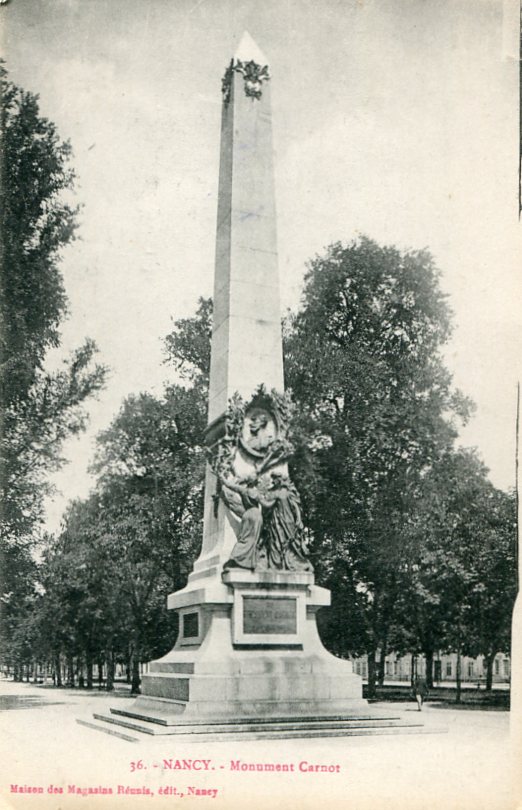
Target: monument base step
[(120, 722), (179, 723)]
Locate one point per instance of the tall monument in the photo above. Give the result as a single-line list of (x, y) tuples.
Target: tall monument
[(248, 655)]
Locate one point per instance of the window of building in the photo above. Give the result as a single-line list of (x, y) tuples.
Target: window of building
[(470, 669), (395, 667), (506, 667), (448, 669), (497, 666)]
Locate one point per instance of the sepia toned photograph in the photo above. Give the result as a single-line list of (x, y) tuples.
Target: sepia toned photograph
[(260, 400)]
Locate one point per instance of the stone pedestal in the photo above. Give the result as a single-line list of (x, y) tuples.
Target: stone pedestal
[(248, 648)]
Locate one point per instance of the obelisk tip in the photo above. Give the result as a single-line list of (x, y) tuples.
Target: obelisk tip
[(249, 51)]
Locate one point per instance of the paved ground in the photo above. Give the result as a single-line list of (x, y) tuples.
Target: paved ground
[(42, 746)]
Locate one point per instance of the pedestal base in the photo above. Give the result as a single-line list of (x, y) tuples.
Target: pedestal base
[(254, 653), (248, 648), (249, 663)]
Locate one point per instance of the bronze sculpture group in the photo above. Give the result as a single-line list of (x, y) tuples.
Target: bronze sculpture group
[(263, 505), (271, 533)]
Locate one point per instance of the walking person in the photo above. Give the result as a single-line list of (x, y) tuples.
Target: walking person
[(420, 690)]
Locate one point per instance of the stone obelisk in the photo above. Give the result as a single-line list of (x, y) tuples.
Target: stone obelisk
[(248, 657), (246, 338), (246, 335)]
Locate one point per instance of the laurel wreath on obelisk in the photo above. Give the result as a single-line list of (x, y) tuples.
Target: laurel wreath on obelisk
[(281, 407), (253, 74)]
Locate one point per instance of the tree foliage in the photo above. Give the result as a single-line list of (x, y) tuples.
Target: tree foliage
[(187, 347), (39, 409), (135, 539), (363, 357)]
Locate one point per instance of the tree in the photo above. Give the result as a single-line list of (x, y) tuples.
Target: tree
[(18, 579), (363, 360), (187, 347), (459, 584), (39, 409), (150, 466), (80, 614), (135, 538), (495, 577)]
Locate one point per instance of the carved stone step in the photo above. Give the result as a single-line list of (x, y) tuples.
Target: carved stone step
[(288, 729), (169, 720)]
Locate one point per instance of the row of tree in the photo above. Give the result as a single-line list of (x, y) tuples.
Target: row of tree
[(414, 542), (39, 409)]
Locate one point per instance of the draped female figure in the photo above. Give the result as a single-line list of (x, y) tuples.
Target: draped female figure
[(245, 552), (284, 541)]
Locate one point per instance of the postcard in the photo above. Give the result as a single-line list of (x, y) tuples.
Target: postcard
[(262, 340)]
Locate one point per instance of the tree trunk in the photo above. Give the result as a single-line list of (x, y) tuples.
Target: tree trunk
[(128, 666), (135, 657), (458, 676), (57, 670), (99, 664), (109, 685), (413, 673), (27, 673), (429, 668), (383, 649), (371, 674), (70, 670), (136, 678), (80, 677), (490, 660), (89, 668)]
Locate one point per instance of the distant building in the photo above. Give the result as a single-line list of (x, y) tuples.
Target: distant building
[(398, 668)]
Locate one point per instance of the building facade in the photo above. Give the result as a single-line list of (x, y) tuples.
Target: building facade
[(473, 670)]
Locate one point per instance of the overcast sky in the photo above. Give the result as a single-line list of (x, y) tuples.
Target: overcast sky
[(393, 118)]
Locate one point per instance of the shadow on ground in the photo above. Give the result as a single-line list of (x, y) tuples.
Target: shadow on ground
[(51, 695), (9, 702)]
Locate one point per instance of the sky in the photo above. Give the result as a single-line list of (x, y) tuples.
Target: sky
[(397, 119)]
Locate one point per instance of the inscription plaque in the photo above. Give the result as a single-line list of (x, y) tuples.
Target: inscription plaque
[(190, 625), (269, 615)]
